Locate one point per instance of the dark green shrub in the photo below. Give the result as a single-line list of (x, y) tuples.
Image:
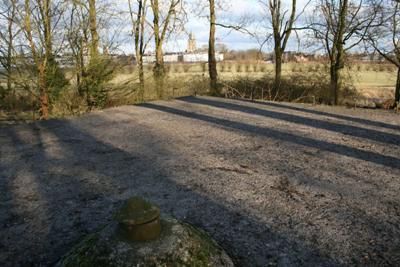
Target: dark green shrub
[(55, 79), (98, 73)]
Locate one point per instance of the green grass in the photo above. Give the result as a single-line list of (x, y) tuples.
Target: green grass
[(363, 76), (370, 80)]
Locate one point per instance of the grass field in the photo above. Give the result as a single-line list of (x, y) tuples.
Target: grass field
[(370, 80), (304, 82)]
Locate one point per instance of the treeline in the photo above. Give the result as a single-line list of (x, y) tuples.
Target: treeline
[(34, 34)]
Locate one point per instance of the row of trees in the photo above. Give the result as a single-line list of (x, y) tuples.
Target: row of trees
[(338, 25), (35, 33)]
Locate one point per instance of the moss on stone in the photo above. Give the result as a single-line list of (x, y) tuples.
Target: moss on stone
[(136, 211), (178, 245)]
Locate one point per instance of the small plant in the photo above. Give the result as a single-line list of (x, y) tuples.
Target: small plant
[(222, 68), (247, 68), (229, 66), (263, 69), (255, 68), (359, 67), (239, 68)]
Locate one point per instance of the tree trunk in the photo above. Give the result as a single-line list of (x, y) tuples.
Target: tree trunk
[(212, 61), (141, 78), (94, 46), (9, 57), (334, 83), (336, 77), (139, 42), (158, 40), (10, 47), (80, 66), (47, 32), (278, 70), (397, 93), (338, 64), (40, 62), (44, 99), (9, 70), (159, 72)]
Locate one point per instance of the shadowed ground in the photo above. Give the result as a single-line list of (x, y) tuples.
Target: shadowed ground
[(273, 183)]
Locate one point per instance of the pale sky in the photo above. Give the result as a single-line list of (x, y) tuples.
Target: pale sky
[(236, 10)]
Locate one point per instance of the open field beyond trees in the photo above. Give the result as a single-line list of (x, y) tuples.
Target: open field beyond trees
[(199, 133), (275, 184), (304, 82)]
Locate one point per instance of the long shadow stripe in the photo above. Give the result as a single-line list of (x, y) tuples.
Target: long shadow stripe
[(327, 114), (343, 150), (355, 131)]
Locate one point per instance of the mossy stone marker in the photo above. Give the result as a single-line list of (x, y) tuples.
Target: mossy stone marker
[(139, 220), (134, 238)]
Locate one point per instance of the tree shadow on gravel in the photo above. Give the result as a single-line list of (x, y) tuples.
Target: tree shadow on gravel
[(355, 153), (355, 131), (79, 180), (327, 114)]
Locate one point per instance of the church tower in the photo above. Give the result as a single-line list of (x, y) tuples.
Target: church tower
[(191, 44)]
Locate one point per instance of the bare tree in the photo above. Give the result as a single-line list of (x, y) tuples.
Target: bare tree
[(212, 61), (385, 37), (340, 26), (9, 30), (282, 27), (38, 27), (94, 45), (77, 26), (92, 68), (138, 20), (163, 24), (212, 6)]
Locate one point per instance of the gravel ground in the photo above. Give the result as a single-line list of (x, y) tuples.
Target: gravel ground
[(273, 183)]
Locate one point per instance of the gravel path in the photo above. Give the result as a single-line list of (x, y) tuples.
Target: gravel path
[(273, 183)]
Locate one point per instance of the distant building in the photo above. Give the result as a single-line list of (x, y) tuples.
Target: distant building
[(192, 54), (191, 44)]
